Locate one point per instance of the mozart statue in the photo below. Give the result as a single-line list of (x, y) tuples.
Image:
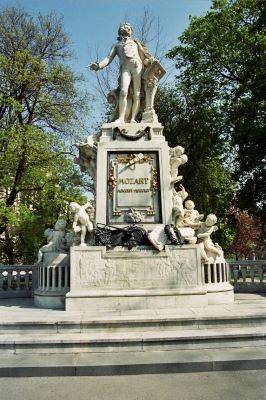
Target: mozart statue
[(134, 61)]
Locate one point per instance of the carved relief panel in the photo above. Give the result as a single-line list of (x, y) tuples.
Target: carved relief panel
[(136, 270), (94, 272), (184, 263)]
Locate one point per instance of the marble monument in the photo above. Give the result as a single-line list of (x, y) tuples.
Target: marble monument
[(140, 243)]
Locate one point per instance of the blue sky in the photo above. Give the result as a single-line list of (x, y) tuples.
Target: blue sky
[(94, 23)]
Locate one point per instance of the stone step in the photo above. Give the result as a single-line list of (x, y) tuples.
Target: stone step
[(133, 363), (107, 342), (141, 322)]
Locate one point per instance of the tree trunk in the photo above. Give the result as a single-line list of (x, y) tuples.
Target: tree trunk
[(9, 248)]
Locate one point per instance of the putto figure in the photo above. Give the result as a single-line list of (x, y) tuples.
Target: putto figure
[(178, 209), (177, 158), (192, 217), (204, 238), (82, 221), (133, 58), (55, 239)]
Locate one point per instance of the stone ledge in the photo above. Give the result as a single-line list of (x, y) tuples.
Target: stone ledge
[(252, 358)]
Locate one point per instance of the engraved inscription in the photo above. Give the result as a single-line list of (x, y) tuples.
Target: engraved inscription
[(133, 181), (127, 185)]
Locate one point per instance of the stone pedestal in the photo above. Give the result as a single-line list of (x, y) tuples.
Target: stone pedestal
[(142, 278), (54, 281), (133, 173), (133, 186)]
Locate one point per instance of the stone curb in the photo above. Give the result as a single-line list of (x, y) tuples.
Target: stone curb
[(133, 364)]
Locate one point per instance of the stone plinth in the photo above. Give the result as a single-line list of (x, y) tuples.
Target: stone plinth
[(54, 281), (134, 186), (142, 132), (133, 174), (142, 278)]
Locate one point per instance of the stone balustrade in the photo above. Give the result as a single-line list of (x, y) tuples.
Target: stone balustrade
[(248, 276), (54, 278), (54, 281), (18, 280), (216, 279), (216, 273)]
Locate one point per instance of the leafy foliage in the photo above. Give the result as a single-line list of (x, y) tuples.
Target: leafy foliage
[(41, 112), (248, 238), (225, 53)]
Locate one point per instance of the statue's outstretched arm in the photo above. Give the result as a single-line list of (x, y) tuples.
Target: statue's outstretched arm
[(102, 64)]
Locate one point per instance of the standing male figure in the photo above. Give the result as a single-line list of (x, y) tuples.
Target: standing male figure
[(133, 56)]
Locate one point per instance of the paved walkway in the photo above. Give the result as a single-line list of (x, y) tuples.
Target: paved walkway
[(222, 385)]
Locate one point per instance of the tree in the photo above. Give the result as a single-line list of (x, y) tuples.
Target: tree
[(248, 239), (41, 111), (225, 52)]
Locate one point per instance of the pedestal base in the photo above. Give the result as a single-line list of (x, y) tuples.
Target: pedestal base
[(83, 301), (220, 294), (44, 299), (54, 281), (142, 278)]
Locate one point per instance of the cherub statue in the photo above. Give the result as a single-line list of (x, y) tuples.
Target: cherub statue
[(177, 158), (55, 239), (178, 209), (87, 156), (204, 238), (192, 217), (82, 221)]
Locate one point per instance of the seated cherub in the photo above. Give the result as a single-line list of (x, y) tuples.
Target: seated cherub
[(204, 238), (55, 239), (192, 217)]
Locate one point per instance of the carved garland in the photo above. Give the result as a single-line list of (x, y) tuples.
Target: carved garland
[(112, 182), (139, 134), (132, 159)]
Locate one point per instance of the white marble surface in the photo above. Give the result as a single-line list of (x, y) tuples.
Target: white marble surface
[(134, 59), (143, 279), (108, 202)]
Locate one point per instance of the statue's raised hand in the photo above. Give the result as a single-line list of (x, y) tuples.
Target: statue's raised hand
[(93, 66)]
